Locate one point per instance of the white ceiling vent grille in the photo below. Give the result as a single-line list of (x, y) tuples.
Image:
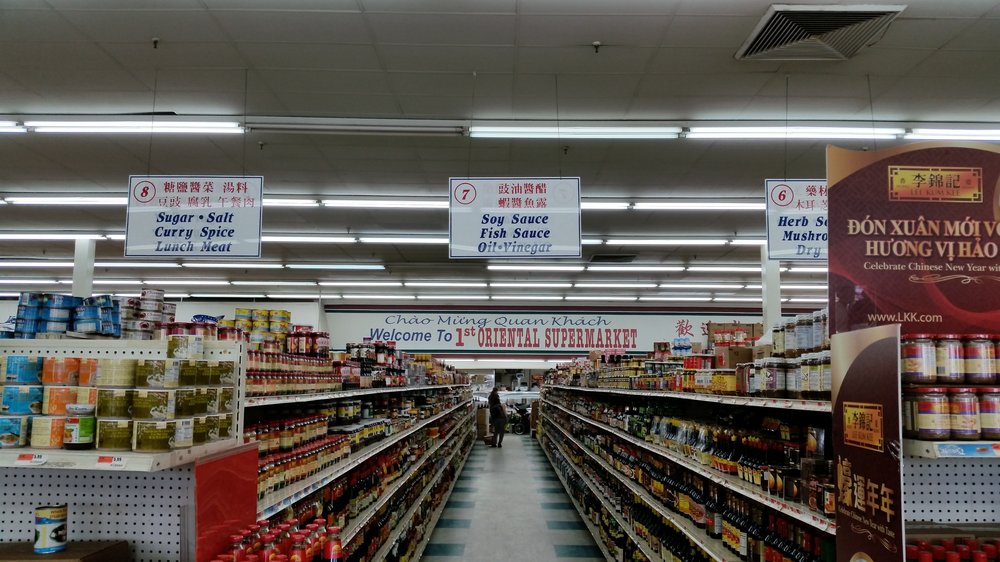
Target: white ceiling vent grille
[(793, 32)]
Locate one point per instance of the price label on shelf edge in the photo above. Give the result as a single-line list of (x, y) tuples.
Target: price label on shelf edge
[(108, 461), (30, 459)]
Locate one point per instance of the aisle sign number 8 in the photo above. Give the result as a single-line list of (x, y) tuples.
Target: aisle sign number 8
[(465, 193), (144, 192)]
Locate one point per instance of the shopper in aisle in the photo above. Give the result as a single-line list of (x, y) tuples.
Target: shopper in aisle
[(498, 418)]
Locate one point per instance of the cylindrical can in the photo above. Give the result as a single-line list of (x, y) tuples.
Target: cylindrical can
[(979, 357), (919, 359), (153, 436), (244, 314), (989, 412), (949, 359), (21, 399), (114, 435), (260, 315), (13, 431), (50, 529), (78, 433), (146, 305), (55, 399), (86, 395), (964, 413), (114, 402), (47, 431), (933, 413), (111, 373), (151, 294), (22, 369), (60, 371)]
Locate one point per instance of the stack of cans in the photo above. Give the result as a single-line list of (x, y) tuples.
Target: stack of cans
[(143, 315), (100, 315)]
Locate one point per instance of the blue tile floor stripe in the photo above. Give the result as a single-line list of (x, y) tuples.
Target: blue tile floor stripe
[(463, 490), (444, 549), (460, 504), (566, 525), (552, 490), (577, 551), (454, 523), (557, 505)]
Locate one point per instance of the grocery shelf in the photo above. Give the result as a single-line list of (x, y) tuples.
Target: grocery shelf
[(352, 529), (255, 401), (715, 548), (432, 523), (401, 522), (625, 525), (751, 401), (794, 510), (121, 349), (594, 531), (952, 449), (119, 461), (271, 505)]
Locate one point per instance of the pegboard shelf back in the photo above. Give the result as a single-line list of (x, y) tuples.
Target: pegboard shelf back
[(123, 461), (951, 490)]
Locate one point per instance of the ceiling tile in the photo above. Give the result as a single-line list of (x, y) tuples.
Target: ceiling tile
[(130, 5), (440, 107), (51, 56), (981, 36), (307, 56), (194, 79), (443, 29), (448, 59), (295, 27), (573, 31), (702, 84), (709, 31), (807, 108), (963, 9), (24, 5), (824, 85), (699, 60), (598, 85), (885, 61), (57, 81), (143, 25), (973, 66), (33, 26), (489, 84), (687, 107), (597, 7), (333, 81), (727, 7), (170, 54), (535, 85), (432, 83), (339, 105), (201, 102), (493, 107), (265, 5), (455, 6), (912, 33), (582, 59), (357, 153)]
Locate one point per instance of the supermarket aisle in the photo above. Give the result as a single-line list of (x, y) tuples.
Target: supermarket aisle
[(508, 504)]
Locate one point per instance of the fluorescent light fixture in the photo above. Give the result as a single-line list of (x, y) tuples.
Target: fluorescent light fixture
[(571, 132), (528, 284), (954, 134), (403, 240), (667, 242), (137, 264), (11, 127), (10, 295), (167, 295), (114, 236), (381, 297), (115, 282), (49, 236), (360, 284), (337, 266), (386, 203), (527, 267), (635, 268), (753, 287), (806, 299), (28, 282), (182, 282), (231, 265), (453, 297), (676, 299), (39, 264), (137, 295), (317, 239), (724, 269), (527, 298), (864, 133), (444, 284), (698, 206), (60, 200), (278, 202), (794, 269), (508, 360), (748, 242), (719, 286), (805, 287), (605, 205), (737, 299), (591, 241), (228, 296), (615, 285), (148, 126), (447, 360), (599, 298), (277, 283), (297, 296)]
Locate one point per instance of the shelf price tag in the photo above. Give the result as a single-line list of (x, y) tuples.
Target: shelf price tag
[(109, 461), (30, 459)]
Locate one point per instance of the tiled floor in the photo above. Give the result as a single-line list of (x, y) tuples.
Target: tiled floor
[(508, 504)]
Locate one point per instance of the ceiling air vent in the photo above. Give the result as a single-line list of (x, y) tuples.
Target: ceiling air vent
[(793, 32)]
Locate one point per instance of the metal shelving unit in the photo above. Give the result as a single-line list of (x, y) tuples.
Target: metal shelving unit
[(257, 401), (122, 461), (440, 509), (781, 403)]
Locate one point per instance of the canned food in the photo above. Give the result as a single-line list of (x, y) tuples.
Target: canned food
[(50, 529), (87, 326), (136, 336), (151, 294), (200, 430), (184, 433), (102, 301), (260, 315), (28, 312), (227, 399), (225, 426), (186, 402), (114, 435), (154, 373), (108, 373), (86, 313), (261, 325), (62, 301), (56, 398), (114, 402), (280, 316), (933, 413), (146, 305), (278, 326), (149, 316), (47, 431), (23, 369), (949, 359), (31, 299), (244, 314), (154, 404), (60, 370), (169, 308), (86, 395), (185, 347), (46, 327), (80, 426), (964, 413), (21, 400), (138, 325), (979, 358), (13, 431), (153, 436)]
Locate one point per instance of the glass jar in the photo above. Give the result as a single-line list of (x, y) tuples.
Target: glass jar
[(791, 343), (948, 359), (919, 358), (909, 406), (964, 413), (771, 383), (803, 332), (778, 340), (826, 377), (978, 359), (932, 413), (793, 378), (989, 412)]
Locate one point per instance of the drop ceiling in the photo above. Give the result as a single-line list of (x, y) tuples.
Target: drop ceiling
[(467, 61)]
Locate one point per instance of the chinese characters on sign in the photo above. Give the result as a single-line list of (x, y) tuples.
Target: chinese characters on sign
[(863, 425), (796, 219), (514, 218), (194, 216)]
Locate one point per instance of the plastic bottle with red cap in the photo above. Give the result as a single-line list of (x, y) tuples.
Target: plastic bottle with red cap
[(333, 550), (268, 549), (236, 549)]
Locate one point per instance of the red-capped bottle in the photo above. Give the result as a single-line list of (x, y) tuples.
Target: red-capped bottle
[(298, 552), (268, 550), (333, 550), (236, 549), (978, 556), (925, 556)]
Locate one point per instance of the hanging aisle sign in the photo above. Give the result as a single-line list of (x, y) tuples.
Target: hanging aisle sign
[(796, 219), (194, 216), (514, 218)]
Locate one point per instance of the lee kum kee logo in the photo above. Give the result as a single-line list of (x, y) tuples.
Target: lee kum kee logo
[(935, 183)]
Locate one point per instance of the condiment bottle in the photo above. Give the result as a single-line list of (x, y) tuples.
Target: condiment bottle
[(333, 550)]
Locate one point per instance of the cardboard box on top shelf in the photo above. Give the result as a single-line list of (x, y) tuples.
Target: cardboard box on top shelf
[(97, 551), (727, 357), (762, 351)]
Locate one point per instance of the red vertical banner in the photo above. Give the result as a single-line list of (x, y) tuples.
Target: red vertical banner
[(915, 238), (225, 499), (867, 440)]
